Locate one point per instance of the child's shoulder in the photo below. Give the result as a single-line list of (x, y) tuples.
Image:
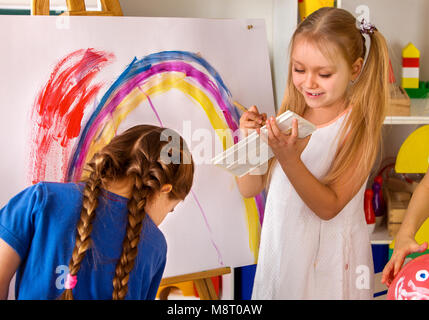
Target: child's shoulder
[(58, 189), (59, 186), (154, 233)]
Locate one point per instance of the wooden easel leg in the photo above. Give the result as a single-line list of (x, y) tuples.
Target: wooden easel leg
[(206, 289), (202, 289), (202, 281), (211, 289), (40, 7)]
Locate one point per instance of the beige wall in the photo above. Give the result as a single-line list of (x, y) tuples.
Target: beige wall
[(400, 21)]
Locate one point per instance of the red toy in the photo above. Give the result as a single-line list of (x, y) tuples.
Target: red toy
[(368, 208), (412, 282)]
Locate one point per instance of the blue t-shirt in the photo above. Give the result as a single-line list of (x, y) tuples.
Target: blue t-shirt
[(40, 222)]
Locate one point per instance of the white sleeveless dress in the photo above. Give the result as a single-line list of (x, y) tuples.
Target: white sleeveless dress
[(302, 256)]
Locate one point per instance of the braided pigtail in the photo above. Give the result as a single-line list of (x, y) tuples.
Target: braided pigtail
[(91, 193), (144, 185)]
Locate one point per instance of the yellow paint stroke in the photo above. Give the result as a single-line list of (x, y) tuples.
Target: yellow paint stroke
[(161, 84), (253, 225)]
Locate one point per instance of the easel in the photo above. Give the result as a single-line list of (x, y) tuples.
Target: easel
[(202, 280), (77, 8)]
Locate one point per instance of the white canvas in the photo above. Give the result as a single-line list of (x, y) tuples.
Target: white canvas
[(211, 227)]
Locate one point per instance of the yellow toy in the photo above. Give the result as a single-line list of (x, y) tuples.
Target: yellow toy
[(307, 7), (413, 156), (410, 66)]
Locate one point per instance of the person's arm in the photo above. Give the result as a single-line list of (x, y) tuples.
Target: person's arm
[(17, 220), (251, 185), (9, 262), (326, 201), (405, 244)]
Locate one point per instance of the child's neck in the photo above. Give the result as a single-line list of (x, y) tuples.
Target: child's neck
[(122, 187)]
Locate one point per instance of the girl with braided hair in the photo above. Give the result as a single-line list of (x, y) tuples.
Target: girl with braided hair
[(98, 239)]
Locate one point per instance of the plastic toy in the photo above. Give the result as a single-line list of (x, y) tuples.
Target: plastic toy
[(379, 179), (410, 66), (412, 282), (376, 200), (413, 156), (369, 211)]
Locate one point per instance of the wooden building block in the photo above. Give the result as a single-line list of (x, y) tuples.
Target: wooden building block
[(397, 204), (401, 196), (395, 185), (399, 102)]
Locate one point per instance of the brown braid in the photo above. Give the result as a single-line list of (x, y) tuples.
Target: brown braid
[(132, 238), (91, 193), (148, 177)]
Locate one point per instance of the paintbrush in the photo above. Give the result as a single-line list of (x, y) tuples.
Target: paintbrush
[(243, 108)]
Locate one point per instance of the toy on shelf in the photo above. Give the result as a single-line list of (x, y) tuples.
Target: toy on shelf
[(395, 194), (398, 195), (415, 88), (413, 155), (377, 200), (369, 211), (421, 92), (412, 282), (307, 7), (399, 103), (410, 66)]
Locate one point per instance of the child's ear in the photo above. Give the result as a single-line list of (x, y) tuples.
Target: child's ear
[(357, 68), (166, 188)]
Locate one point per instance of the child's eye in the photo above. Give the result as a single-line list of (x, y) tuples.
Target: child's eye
[(298, 70), (325, 75)]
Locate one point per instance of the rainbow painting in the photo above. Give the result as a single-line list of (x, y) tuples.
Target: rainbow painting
[(74, 116)]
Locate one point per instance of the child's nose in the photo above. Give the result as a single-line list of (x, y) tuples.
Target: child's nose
[(310, 81)]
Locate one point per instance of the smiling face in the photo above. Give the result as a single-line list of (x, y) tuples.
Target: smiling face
[(321, 81)]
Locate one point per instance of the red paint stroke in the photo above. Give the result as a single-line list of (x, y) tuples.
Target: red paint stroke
[(61, 103)]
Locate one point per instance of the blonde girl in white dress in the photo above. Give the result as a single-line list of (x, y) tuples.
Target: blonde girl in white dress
[(314, 240)]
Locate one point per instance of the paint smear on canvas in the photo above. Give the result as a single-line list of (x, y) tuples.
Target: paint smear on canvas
[(59, 109)]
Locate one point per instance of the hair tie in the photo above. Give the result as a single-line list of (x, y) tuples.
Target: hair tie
[(70, 281), (366, 27)]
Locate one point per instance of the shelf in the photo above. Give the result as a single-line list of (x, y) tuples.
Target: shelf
[(380, 234), (419, 114)]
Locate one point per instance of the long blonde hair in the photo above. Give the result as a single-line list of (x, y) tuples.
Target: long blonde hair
[(135, 154), (334, 30)]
